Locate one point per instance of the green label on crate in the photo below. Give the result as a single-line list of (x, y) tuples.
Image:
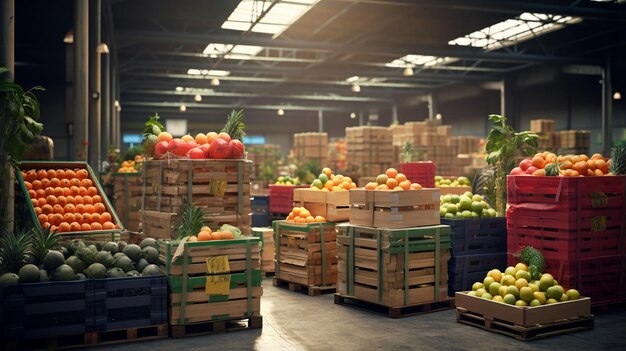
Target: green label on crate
[(598, 224), (217, 284), (218, 187), (599, 199)]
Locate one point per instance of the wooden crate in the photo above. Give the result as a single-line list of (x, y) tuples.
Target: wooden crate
[(127, 193), (306, 254), (542, 125), (160, 225), (393, 267), (455, 190), (193, 295), (220, 187), (268, 248), (394, 209), (574, 139), (333, 205)]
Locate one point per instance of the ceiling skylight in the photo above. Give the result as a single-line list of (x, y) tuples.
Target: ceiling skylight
[(237, 52), (418, 60), (512, 31), (194, 90), (277, 19), (206, 72)]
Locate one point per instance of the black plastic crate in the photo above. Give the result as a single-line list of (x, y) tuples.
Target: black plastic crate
[(477, 236), (463, 271), (130, 302), (47, 309)]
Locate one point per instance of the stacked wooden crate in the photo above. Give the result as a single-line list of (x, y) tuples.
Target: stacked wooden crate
[(369, 150), (573, 141), (267, 248), (220, 187), (212, 282), (544, 128), (127, 193), (311, 146), (337, 154), (262, 155)]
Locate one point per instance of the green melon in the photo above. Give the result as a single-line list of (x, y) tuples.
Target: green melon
[(76, 263), (133, 252), (93, 248), (115, 272), (142, 264), (9, 279), (74, 245), (148, 242), (30, 258), (150, 254), (80, 276), (105, 258), (121, 245), (86, 255), (52, 260), (133, 273), (118, 255), (29, 273), (151, 269), (110, 247), (124, 263), (43, 275), (96, 271), (63, 273)]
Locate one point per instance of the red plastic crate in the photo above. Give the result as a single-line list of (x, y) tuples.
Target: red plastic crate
[(566, 192), (419, 172), (281, 197)]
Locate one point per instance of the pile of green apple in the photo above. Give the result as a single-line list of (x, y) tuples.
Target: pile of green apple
[(465, 206), (515, 287), (441, 182), (287, 180)]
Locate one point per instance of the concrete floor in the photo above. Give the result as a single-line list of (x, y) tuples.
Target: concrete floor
[(296, 321)]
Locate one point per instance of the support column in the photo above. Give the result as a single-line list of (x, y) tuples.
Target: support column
[(95, 107), (320, 121), (360, 118), (507, 104), (7, 37), (7, 59), (106, 107), (607, 109), (432, 106), (81, 78)]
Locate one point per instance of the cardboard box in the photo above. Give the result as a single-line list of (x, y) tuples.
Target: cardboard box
[(332, 205)]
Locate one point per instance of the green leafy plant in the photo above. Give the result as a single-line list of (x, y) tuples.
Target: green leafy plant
[(503, 144), (407, 152), (151, 131), (307, 171)]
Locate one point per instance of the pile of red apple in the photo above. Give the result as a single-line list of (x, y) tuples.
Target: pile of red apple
[(209, 146)]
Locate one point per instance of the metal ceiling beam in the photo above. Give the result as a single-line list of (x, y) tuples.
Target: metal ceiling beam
[(265, 41), (258, 58), (176, 105), (258, 95), (599, 11)]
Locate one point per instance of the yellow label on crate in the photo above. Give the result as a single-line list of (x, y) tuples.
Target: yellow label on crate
[(217, 284), (599, 199), (292, 242), (598, 224), (218, 187)]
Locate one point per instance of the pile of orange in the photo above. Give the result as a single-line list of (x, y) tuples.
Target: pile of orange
[(66, 200), (301, 215), (392, 180), (570, 165), (327, 181), (207, 234)]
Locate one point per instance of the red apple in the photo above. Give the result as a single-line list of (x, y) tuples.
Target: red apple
[(530, 170), (516, 171), (160, 149), (219, 149), (191, 144), (236, 148), (178, 147), (525, 164), (205, 149), (224, 135), (196, 154)]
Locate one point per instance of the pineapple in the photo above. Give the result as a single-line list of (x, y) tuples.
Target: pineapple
[(192, 221), (618, 161), (234, 125), (14, 246), (44, 240)]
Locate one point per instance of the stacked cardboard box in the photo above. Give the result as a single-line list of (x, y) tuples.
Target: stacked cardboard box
[(547, 138), (311, 146), (573, 141), (337, 154), (260, 155), (369, 149)]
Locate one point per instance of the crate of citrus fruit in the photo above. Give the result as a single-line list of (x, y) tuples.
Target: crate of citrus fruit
[(67, 197), (328, 196), (394, 202)]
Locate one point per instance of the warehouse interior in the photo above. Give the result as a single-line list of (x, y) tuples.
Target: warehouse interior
[(301, 66)]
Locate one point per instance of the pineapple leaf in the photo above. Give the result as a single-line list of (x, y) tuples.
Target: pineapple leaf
[(191, 222), (618, 160), (13, 249), (44, 240), (234, 125)]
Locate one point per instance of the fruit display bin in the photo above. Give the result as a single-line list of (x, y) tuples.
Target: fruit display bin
[(212, 280), (221, 188), (419, 172), (393, 267), (332, 205), (463, 271), (45, 309), (281, 197), (127, 193), (477, 236), (122, 303), (99, 235), (306, 254), (394, 209)]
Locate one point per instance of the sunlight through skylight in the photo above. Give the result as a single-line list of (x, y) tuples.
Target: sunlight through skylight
[(206, 72), (237, 52), (417, 60)]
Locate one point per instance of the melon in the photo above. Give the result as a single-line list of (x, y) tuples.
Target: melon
[(118, 255), (96, 271), (9, 279), (105, 258), (151, 269), (124, 263), (141, 264), (115, 272), (87, 255), (53, 259), (80, 276), (74, 245), (133, 252), (43, 275), (148, 242), (121, 245), (150, 254), (110, 247), (133, 273), (63, 273), (29, 273), (76, 263)]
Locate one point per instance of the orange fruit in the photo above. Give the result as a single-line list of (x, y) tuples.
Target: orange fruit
[(40, 193), (566, 165), (400, 177), (591, 164), (86, 217), (64, 227), (37, 184), (51, 200), (309, 219), (382, 187), (69, 208), (416, 186), (96, 226), (164, 136), (398, 188), (539, 173), (69, 174), (78, 199), (86, 183), (74, 182), (598, 172), (45, 182), (32, 194), (69, 217), (584, 157), (392, 183), (305, 213), (352, 186), (296, 211), (602, 165), (201, 139), (60, 173), (56, 218), (85, 227), (80, 208), (41, 201), (89, 208), (336, 181), (92, 191), (108, 226), (34, 202), (299, 220), (320, 219), (538, 161), (74, 227), (99, 207), (391, 172), (58, 191), (327, 171), (42, 218), (575, 159), (57, 209), (82, 191), (329, 185), (590, 172), (41, 174), (55, 182), (96, 199), (204, 236), (51, 173), (581, 167), (30, 176), (371, 186), (29, 185), (345, 185), (105, 217), (87, 200), (65, 183), (67, 191), (347, 179), (70, 199), (405, 184), (75, 190), (596, 156), (37, 211), (82, 174), (95, 217), (290, 216), (62, 200)]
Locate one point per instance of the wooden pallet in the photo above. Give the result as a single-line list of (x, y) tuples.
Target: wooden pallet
[(215, 327), (90, 339), (311, 290), (524, 333), (269, 274), (608, 307), (397, 311)]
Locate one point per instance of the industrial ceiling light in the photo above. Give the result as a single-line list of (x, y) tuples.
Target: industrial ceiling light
[(617, 96), (356, 88), (116, 103), (102, 48), (179, 89), (353, 115), (197, 98), (438, 116), (69, 37), (215, 82), (183, 108), (280, 112), (408, 71)]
